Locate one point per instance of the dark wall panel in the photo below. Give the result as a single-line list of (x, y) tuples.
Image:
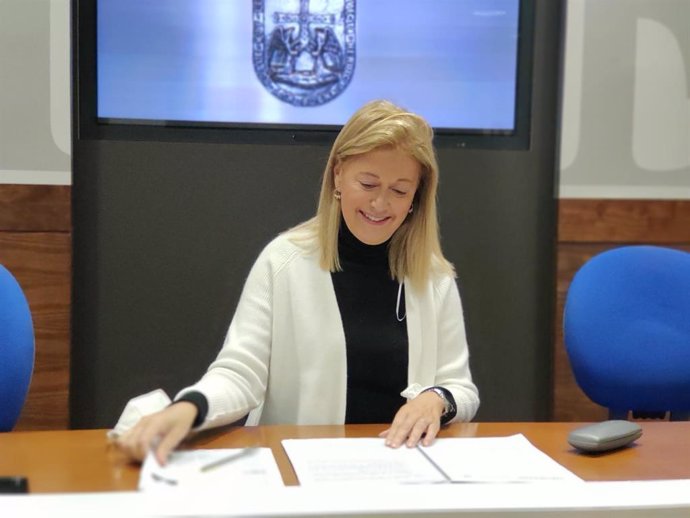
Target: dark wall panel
[(165, 233)]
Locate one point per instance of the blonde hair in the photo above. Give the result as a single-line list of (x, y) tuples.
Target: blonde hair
[(415, 249)]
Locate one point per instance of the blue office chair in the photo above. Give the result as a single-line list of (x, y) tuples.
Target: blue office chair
[(16, 349), (627, 331)]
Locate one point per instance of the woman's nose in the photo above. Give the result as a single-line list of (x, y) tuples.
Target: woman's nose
[(379, 201)]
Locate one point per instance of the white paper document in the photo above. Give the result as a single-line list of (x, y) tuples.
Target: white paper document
[(320, 461), (211, 469), (465, 459), (495, 459)]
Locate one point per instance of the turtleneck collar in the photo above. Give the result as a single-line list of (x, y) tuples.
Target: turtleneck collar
[(353, 252)]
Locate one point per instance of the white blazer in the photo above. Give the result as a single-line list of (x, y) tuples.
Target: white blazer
[(284, 358)]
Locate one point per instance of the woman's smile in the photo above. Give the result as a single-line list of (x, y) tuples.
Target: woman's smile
[(374, 220)]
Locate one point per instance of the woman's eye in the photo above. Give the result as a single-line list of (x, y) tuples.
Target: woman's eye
[(368, 185), (399, 192)]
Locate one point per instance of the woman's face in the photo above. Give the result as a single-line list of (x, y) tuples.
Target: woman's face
[(377, 189)]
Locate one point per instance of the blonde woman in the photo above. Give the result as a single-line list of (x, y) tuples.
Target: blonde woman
[(351, 317)]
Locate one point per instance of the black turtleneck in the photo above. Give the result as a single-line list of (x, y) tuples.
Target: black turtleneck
[(377, 351)]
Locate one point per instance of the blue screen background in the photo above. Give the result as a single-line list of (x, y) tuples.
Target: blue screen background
[(452, 61)]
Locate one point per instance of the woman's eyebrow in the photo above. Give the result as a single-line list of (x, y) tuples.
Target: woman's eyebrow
[(375, 176)]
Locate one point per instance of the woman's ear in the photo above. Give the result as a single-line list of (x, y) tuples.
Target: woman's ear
[(337, 170)]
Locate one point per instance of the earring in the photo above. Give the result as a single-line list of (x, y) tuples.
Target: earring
[(411, 209), (336, 194)]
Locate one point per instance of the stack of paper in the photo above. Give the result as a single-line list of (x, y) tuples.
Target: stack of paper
[(466, 459)]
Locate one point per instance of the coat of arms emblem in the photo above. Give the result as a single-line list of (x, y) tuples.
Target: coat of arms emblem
[(304, 50)]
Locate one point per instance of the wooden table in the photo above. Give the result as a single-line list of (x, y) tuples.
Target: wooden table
[(84, 461)]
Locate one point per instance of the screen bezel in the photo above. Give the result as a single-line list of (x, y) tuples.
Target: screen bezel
[(90, 127)]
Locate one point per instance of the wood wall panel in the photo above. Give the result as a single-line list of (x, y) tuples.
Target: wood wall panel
[(624, 221), (35, 244), (35, 208)]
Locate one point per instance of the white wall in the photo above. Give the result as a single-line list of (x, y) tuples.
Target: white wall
[(626, 107), (34, 92), (626, 101)]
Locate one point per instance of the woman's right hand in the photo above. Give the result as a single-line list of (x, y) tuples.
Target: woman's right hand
[(161, 431)]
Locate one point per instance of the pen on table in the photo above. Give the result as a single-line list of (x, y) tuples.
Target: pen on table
[(224, 460)]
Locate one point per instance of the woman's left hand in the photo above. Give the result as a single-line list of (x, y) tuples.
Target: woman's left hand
[(419, 417)]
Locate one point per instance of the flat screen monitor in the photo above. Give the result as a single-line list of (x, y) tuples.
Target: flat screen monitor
[(300, 68)]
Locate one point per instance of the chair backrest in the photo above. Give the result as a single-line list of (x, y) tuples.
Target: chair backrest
[(627, 330), (16, 349)]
